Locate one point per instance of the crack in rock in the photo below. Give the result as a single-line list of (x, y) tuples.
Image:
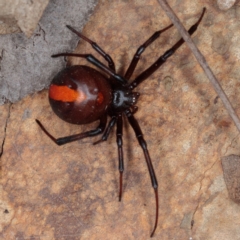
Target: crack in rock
[(5, 130)]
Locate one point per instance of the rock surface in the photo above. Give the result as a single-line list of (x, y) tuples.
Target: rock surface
[(20, 15), (71, 192)]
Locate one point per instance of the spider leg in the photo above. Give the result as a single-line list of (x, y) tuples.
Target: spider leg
[(112, 122), (149, 71), (96, 47), (141, 49), (60, 141), (104, 137), (107, 130), (133, 122), (90, 58), (120, 152)]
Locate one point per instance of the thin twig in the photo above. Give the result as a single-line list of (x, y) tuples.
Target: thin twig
[(202, 61)]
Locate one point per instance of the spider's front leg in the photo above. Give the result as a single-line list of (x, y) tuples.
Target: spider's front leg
[(133, 122), (162, 59), (120, 153), (141, 49)]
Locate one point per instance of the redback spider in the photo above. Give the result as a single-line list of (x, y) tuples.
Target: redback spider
[(80, 94)]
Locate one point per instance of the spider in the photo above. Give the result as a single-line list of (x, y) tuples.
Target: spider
[(79, 95)]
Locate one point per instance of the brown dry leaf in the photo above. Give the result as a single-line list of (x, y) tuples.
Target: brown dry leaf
[(71, 192)]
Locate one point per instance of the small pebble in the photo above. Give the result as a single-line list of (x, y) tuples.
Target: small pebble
[(231, 174), (225, 4)]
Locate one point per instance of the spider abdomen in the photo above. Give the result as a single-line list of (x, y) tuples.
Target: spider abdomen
[(79, 94)]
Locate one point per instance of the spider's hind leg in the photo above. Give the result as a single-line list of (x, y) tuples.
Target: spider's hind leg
[(116, 119), (60, 141), (107, 130)]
